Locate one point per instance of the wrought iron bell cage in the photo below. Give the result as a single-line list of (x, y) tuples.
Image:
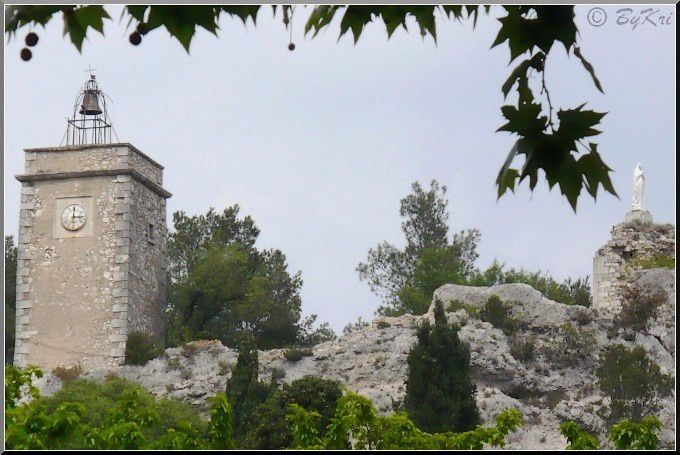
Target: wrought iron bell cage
[(90, 122)]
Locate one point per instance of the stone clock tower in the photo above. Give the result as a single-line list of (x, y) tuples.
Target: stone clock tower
[(91, 264)]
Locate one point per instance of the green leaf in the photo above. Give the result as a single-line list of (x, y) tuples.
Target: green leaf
[(525, 120), (519, 74), (320, 17), (92, 16), (576, 123), (588, 67), (595, 172), (243, 11), (507, 176)]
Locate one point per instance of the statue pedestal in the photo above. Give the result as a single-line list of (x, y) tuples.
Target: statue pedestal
[(640, 216)]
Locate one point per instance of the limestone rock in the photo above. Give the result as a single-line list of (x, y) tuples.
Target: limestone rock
[(373, 361)]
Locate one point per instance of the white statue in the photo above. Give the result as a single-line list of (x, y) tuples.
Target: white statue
[(638, 187)]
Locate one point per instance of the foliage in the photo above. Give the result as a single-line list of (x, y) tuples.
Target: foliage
[(658, 261), (221, 423), (67, 374), (19, 381), (193, 234), (244, 390), (550, 141), (523, 348), (308, 335), (638, 306), (295, 354), (383, 325), (10, 296), (577, 437), (569, 292), (223, 286), (627, 435), (140, 348), (116, 414), (405, 279), (359, 324), (572, 346), (497, 314), (357, 420), (270, 429), (633, 381), (440, 394)]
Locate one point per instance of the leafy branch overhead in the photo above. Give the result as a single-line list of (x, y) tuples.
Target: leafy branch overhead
[(556, 141)]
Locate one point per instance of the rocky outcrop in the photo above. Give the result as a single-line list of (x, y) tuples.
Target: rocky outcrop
[(545, 365)]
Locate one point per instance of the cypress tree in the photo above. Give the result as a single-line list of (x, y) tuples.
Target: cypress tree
[(440, 393), (244, 391)]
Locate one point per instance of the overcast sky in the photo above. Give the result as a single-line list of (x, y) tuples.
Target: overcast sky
[(320, 144)]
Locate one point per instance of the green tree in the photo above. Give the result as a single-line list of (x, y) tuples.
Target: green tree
[(193, 234), (115, 414), (440, 393), (554, 141), (357, 421), (270, 429), (627, 435), (633, 381), (244, 390), (10, 296), (405, 279), (222, 285), (577, 437), (221, 423), (569, 292)]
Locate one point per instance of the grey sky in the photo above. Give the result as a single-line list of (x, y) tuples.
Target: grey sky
[(319, 144)]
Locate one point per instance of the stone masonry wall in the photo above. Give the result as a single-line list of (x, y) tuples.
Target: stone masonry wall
[(66, 283), (79, 292), (612, 263), (148, 268)]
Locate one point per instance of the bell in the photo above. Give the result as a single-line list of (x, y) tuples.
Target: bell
[(90, 104)]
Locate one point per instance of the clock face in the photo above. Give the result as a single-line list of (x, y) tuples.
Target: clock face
[(73, 217)]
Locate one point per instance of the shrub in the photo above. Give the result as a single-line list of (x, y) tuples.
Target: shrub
[(455, 305), (577, 437), (173, 362), (221, 423), (115, 414), (357, 420), (569, 292), (278, 374), (223, 367), (583, 317), (355, 326), (638, 306), (140, 348), (189, 350), (68, 374), (658, 261), (496, 312), (383, 324), (17, 379), (186, 373), (572, 346), (627, 435), (633, 381), (271, 430), (296, 354), (523, 348), (440, 393)]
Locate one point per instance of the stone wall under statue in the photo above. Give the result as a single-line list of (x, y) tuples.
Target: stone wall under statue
[(615, 261)]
